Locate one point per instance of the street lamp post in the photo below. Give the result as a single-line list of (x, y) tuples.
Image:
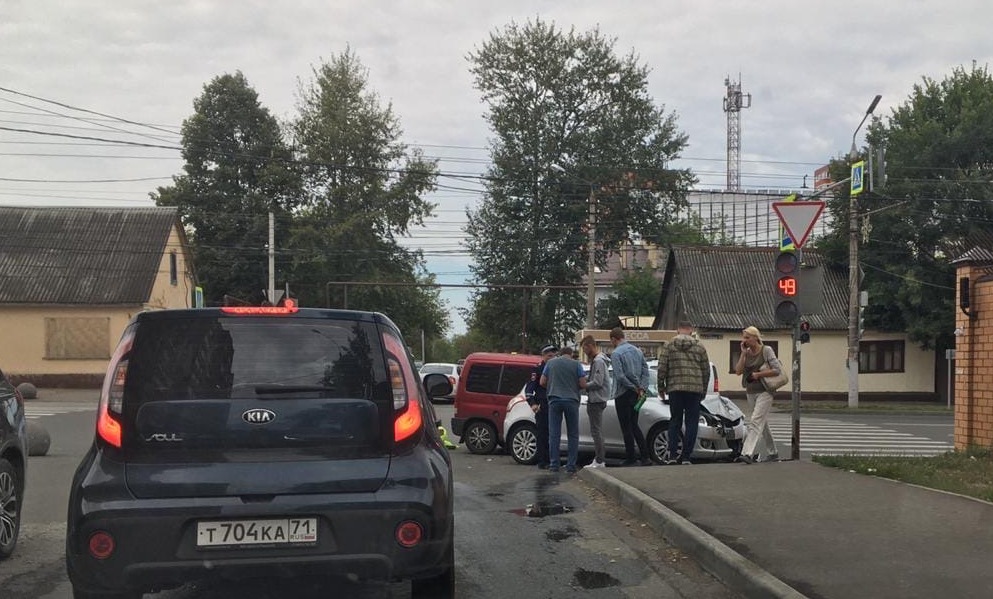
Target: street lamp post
[(591, 263), (852, 362)]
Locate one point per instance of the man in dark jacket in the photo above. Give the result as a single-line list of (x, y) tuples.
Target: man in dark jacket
[(684, 372), (537, 397)]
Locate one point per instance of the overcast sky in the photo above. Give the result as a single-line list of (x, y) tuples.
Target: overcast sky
[(812, 68)]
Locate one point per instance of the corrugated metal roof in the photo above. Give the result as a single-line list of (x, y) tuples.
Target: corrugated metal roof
[(728, 287), (61, 255)]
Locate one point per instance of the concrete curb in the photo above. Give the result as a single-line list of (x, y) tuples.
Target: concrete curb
[(738, 573)]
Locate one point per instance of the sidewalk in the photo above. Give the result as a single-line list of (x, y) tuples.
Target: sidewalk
[(795, 529), (55, 395)]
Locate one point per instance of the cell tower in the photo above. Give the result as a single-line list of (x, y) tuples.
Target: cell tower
[(734, 101)]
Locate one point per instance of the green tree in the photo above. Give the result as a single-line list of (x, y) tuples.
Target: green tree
[(573, 126), (362, 190), (237, 170), (938, 194), (636, 293)]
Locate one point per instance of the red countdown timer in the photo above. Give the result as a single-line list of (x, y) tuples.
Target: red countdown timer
[(786, 286)]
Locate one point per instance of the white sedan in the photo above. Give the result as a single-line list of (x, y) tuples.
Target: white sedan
[(720, 434), (452, 371)]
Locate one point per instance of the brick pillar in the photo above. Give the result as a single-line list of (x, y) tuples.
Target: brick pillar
[(973, 374)]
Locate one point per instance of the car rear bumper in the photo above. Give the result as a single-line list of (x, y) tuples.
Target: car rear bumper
[(156, 544), (156, 539)]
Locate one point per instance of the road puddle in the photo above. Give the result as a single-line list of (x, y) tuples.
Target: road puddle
[(540, 510)]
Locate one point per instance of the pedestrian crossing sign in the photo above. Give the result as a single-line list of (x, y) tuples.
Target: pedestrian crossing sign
[(858, 170)]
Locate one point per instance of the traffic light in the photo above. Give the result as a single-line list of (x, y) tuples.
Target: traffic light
[(787, 286), (804, 331)]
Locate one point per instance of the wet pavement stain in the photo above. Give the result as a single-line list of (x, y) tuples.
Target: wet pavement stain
[(540, 510), (588, 579), (561, 534)]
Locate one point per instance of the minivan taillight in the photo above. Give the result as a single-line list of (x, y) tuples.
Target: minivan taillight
[(112, 395), (407, 419), (717, 382), (289, 307)]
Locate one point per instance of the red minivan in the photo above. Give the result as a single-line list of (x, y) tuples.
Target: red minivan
[(486, 385)]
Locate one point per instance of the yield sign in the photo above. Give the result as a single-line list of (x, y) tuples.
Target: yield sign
[(798, 218)]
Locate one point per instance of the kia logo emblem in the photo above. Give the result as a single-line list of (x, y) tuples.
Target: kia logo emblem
[(258, 416)]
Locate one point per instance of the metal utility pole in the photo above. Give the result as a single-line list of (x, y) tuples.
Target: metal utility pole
[(853, 279), (591, 264), (734, 101), (271, 290)]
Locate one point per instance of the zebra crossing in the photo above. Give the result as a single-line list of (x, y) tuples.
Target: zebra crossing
[(826, 436), (33, 411)]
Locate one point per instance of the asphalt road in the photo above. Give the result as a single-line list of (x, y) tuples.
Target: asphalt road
[(575, 544)]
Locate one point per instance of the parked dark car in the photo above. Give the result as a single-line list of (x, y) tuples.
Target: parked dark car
[(13, 464), (244, 442)]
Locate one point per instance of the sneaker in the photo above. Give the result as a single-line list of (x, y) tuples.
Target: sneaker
[(645, 462), (745, 459), (570, 470), (686, 463), (627, 463), (555, 469), (596, 464), (670, 462)]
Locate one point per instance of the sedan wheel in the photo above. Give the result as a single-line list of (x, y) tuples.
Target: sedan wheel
[(658, 442), (480, 437), (11, 491), (523, 443)]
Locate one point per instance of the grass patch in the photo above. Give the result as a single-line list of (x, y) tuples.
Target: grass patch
[(964, 472)]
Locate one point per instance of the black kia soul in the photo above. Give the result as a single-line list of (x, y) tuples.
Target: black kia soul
[(240, 442)]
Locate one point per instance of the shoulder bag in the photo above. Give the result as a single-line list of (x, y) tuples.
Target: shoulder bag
[(772, 383)]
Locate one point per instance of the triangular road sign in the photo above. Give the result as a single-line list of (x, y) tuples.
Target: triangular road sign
[(798, 218)]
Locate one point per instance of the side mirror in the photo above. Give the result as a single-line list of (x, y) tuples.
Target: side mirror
[(437, 385)]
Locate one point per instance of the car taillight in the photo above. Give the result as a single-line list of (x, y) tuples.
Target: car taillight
[(408, 419), (101, 544), (409, 533), (717, 384), (112, 395), (289, 307)]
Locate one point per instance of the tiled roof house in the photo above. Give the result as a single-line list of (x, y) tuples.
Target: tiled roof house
[(71, 278)]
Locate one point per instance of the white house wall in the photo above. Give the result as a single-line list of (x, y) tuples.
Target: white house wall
[(823, 364)]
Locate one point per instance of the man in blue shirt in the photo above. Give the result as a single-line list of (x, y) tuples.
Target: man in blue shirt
[(630, 381), (563, 378)]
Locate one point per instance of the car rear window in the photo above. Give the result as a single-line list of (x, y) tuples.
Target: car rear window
[(436, 369), (199, 379)]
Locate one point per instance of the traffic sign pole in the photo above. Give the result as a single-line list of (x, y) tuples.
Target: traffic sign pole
[(795, 395)]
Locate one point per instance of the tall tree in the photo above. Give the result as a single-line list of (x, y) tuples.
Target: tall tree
[(363, 190), (237, 170), (937, 196), (574, 128)]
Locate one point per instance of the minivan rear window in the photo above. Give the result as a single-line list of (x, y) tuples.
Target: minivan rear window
[(498, 379), (201, 358), (218, 381)]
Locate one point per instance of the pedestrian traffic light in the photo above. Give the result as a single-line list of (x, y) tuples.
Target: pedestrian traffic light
[(804, 331), (787, 286)]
